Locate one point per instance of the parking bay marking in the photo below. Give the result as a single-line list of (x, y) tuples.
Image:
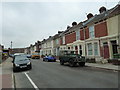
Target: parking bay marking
[(31, 81)]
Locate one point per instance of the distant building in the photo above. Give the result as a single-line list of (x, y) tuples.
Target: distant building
[(27, 50), (16, 50), (1, 48)]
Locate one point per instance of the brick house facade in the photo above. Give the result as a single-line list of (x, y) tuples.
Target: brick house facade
[(101, 29), (70, 38), (93, 38)]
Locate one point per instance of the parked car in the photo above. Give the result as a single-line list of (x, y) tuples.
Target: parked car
[(11, 55), (18, 54), (21, 62), (49, 58), (35, 55), (27, 55), (69, 56)]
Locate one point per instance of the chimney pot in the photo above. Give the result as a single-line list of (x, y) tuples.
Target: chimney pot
[(102, 9), (89, 15), (74, 23)]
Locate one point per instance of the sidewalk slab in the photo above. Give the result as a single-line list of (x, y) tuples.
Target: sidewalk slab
[(7, 81), (102, 66), (7, 74)]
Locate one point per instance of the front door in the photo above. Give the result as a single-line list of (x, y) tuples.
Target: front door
[(114, 47), (76, 49), (106, 50), (80, 49)]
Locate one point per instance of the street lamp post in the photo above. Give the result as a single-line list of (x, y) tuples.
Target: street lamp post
[(11, 47), (11, 44)]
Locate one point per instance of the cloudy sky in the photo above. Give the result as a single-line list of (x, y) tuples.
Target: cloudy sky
[(24, 23)]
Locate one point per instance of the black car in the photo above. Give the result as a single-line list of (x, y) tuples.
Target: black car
[(11, 55), (28, 56), (21, 62)]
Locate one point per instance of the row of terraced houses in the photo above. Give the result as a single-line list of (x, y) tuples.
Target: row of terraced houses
[(97, 37)]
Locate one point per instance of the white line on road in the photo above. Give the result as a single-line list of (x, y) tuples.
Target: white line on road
[(31, 81)]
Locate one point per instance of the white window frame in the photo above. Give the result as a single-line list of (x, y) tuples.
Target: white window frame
[(91, 31), (57, 41), (89, 49), (63, 39), (77, 35), (96, 49)]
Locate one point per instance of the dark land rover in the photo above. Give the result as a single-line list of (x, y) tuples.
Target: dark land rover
[(69, 56)]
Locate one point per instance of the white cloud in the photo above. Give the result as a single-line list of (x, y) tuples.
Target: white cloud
[(26, 22)]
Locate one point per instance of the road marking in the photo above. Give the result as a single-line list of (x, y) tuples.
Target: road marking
[(13, 80), (31, 81), (25, 72)]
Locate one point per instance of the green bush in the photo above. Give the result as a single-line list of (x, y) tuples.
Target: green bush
[(116, 55)]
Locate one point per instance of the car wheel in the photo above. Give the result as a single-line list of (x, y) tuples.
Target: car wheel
[(82, 64), (30, 67), (43, 59), (61, 62), (72, 63), (54, 60), (48, 60), (14, 70)]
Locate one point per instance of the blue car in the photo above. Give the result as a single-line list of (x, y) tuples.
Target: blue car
[(49, 58)]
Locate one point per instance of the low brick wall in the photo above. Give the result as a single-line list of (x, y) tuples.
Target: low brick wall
[(114, 61), (92, 60)]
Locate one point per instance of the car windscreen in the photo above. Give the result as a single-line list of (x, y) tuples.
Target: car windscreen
[(20, 58)]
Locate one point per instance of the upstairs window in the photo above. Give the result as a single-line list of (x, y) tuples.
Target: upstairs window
[(63, 39), (91, 32), (78, 35), (57, 41)]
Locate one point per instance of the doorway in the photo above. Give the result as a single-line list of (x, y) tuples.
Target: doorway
[(106, 50), (114, 47)]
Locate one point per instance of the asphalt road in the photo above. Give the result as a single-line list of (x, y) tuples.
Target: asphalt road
[(53, 75)]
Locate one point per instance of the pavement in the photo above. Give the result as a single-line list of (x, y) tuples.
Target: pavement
[(107, 66), (104, 66), (6, 75)]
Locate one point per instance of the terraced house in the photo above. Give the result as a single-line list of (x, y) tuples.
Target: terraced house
[(47, 46), (96, 38), (51, 45)]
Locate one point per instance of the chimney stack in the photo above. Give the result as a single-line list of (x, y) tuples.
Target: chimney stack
[(68, 27), (102, 9), (59, 32), (74, 23), (89, 15)]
